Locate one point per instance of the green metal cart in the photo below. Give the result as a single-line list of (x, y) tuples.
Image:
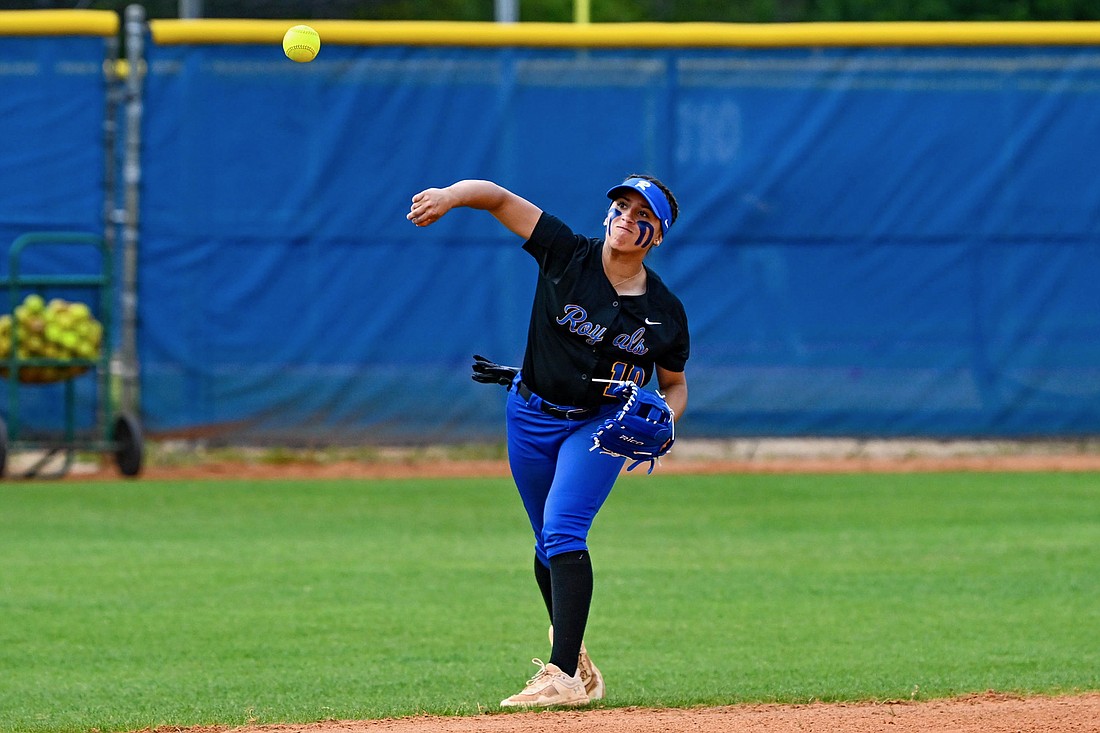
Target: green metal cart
[(113, 431)]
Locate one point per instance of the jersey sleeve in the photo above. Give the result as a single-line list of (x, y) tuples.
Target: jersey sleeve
[(554, 246), (674, 359)]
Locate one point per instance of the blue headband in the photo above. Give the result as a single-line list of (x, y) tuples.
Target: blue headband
[(652, 193)]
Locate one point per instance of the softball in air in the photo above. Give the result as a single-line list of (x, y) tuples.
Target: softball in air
[(301, 43)]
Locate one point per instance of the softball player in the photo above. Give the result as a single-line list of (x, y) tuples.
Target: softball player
[(599, 314)]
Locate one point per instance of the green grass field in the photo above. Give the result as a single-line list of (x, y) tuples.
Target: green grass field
[(136, 604)]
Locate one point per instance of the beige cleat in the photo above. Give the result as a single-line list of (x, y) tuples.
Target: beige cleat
[(549, 687), (593, 680)]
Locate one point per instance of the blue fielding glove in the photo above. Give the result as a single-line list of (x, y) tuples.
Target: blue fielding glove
[(643, 429)]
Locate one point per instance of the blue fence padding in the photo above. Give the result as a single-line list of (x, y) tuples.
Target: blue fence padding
[(874, 242), (52, 162)]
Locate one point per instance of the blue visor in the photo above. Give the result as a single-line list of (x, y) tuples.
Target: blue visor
[(652, 194)]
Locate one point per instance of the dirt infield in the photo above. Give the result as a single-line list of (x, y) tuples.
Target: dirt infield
[(227, 470), (986, 713), (689, 457), (488, 468)]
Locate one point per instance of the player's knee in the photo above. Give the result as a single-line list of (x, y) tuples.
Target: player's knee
[(557, 543)]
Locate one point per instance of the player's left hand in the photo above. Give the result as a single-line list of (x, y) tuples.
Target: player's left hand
[(623, 390), (643, 429)]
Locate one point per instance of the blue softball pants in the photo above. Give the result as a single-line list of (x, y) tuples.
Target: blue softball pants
[(561, 482)]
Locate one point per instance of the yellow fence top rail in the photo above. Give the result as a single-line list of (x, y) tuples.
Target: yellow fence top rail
[(634, 35), (58, 23)]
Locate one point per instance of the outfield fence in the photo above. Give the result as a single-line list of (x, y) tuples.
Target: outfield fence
[(887, 229)]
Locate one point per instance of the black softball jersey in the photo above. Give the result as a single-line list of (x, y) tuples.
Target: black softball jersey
[(581, 329)]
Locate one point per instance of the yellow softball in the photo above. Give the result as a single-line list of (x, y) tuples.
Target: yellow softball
[(301, 43)]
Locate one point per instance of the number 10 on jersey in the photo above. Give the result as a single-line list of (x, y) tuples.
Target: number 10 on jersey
[(623, 372)]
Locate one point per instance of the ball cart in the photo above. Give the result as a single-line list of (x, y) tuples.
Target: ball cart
[(110, 430)]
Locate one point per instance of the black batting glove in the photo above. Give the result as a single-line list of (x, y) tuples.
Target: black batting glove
[(488, 372)]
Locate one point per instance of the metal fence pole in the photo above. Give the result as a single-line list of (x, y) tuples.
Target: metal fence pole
[(111, 214), (190, 8), (126, 366), (507, 11)]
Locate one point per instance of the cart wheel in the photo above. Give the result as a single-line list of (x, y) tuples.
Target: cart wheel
[(129, 445), (3, 447)]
